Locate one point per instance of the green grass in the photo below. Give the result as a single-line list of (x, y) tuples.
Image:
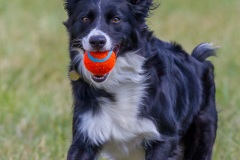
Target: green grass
[(35, 95)]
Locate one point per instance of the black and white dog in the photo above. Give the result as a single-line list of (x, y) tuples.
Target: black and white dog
[(157, 103)]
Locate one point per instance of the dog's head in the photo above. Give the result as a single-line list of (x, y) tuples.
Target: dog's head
[(103, 25)]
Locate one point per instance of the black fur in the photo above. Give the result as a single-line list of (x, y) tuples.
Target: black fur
[(181, 89)]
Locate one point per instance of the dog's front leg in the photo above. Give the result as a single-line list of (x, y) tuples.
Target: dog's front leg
[(80, 150), (160, 150)]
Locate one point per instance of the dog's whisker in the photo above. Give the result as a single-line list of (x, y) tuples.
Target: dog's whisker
[(74, 40)]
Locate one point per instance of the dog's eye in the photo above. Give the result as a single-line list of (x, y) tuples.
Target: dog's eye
[(115, 19), (85, 19)]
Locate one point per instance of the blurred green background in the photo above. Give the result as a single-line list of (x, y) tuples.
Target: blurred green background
[(35, 95)]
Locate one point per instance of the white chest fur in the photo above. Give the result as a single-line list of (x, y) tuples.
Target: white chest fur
[(117, 124)]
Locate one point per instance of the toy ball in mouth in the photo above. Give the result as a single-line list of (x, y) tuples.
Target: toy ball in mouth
[(99, 63)]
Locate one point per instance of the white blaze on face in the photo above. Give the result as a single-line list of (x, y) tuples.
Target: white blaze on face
[(100, 13)]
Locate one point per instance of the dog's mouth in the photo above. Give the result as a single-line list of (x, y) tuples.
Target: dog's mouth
[(117, 48), (101, 78)]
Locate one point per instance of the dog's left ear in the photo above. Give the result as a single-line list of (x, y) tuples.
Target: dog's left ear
[(69, 5), (141, 8)]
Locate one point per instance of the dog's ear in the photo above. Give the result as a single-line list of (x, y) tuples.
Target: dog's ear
[(141, 8), (69, 6)]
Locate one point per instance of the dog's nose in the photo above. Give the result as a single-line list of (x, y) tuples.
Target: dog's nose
[(97, 42)]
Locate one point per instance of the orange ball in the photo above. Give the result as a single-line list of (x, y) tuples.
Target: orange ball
[(99, 63)]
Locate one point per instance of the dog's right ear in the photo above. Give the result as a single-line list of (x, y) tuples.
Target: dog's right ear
[(69, 6), (140, 8)]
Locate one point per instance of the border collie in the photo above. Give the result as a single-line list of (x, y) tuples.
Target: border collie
[(157, 103)]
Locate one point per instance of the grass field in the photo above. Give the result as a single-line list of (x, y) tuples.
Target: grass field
[(35, 96)]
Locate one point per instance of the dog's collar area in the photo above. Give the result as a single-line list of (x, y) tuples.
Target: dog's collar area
[(74, 75)]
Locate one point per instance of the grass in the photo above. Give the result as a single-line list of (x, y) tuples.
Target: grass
[(35, 95)]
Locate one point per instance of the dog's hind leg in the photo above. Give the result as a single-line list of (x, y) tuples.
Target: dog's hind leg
[(201, 136)]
